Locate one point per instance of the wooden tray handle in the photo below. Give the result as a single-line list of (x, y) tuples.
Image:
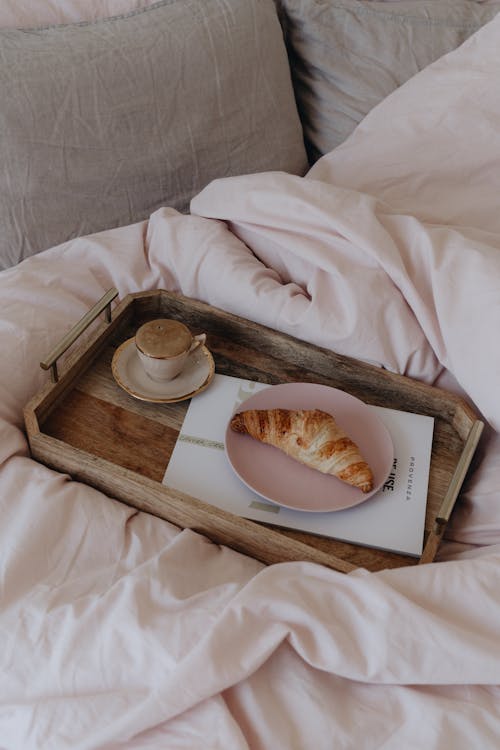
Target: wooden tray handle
[(103, 304)]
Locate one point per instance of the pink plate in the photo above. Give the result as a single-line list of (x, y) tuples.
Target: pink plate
[(275, 476)]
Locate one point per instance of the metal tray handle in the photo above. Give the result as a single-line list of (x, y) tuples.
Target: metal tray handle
[(459, 474), (103, 304)]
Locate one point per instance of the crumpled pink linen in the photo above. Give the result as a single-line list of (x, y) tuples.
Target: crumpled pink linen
[(441, 280), (319, 288), (136, 635)]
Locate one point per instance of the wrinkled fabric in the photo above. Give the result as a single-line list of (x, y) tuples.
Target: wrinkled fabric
[(97, 118), (25, 14)]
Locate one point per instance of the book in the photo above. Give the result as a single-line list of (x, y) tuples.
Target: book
[(392, 519)]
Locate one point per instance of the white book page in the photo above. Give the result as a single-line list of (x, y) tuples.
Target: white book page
[(392, 519)]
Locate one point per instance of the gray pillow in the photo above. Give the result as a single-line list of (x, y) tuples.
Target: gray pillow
[(101, 123), (348, 55)]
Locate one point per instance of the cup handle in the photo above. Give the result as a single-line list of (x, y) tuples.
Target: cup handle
[(197, 340)]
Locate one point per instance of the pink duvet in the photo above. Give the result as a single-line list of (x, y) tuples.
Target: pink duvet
[(118, 630)]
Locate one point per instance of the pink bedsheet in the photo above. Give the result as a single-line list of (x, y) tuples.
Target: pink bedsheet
[(120, 631)]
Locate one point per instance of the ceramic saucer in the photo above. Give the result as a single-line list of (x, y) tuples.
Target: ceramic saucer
[(129, 374)]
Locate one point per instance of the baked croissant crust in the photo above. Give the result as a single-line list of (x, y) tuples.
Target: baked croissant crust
[(310, 436)]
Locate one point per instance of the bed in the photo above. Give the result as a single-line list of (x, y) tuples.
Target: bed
[(283, 192)]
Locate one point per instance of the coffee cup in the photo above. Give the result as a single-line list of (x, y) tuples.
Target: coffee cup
[(163, 346)]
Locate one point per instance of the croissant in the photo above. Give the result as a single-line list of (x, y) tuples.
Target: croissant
[(310, 436)]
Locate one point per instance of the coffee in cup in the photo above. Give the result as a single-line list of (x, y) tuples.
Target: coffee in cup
[(163, 346)]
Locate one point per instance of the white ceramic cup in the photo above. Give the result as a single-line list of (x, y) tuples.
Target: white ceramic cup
[(163, 346)]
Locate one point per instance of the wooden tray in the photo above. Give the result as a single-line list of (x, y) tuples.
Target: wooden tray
[(85, 425)]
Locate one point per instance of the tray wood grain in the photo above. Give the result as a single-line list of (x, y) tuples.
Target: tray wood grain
[(87, 426)]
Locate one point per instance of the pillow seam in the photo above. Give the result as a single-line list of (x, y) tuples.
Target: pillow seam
[(393, 16), (121, 17)]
